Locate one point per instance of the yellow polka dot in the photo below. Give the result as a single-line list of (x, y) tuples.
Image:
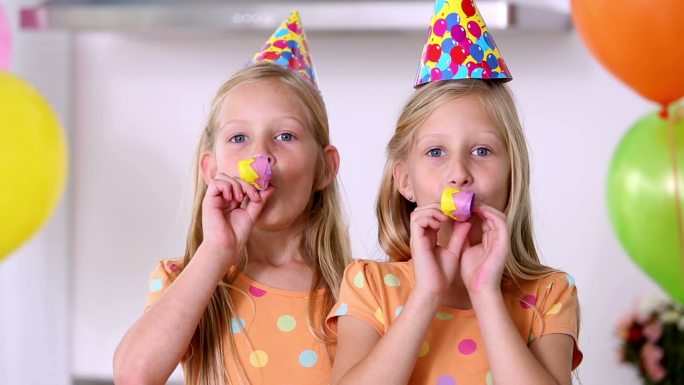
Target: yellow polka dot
[(424, 349), (379, 316), (555, 309), (358, 280), (258, 358), (530, 338)]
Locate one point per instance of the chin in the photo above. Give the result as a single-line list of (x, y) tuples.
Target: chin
[(275, 219)]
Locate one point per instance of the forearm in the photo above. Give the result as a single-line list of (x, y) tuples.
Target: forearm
[(155, 344), (510, 360), (392, 359)]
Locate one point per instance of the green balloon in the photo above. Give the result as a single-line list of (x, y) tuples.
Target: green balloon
[(642, 201)]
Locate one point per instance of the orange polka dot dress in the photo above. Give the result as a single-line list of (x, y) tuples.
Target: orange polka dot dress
[(272, 335), (453, 351)]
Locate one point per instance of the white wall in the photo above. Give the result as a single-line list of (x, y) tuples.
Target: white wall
[(139, 104)]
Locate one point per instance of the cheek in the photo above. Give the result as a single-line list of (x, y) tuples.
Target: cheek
[(226, 162)]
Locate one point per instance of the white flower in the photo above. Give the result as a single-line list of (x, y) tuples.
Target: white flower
[(669, 316), (649, 305)]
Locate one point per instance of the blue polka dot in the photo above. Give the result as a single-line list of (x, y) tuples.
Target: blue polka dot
[(282, 32), (237, 325), (570, 279), (156, 284), (398, 311), (308, 358), (342, 310)]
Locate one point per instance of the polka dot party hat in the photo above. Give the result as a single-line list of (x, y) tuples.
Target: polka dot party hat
[(459, 46), (287, 47)]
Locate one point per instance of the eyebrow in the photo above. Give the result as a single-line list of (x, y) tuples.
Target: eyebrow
[(492, 134), (280, 118)]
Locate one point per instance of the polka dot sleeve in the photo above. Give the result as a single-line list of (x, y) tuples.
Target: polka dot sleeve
[(357, 297), (160, 279), (559, 310)]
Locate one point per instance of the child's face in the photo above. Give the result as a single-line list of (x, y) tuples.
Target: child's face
[(261, 118), (458, 145)]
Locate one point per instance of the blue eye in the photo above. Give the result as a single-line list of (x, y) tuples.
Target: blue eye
[(435, 152), (285, 137), (481, 151), (238, 139)]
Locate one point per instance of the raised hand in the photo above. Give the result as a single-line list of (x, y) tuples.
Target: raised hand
[(226, 221), (482, 265), (435, 265)]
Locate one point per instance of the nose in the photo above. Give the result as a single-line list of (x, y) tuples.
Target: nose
[(268, 156), (261, 147), (459, 174)]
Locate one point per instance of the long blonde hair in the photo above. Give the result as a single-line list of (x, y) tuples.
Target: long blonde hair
[(325, 242), (393, 210)]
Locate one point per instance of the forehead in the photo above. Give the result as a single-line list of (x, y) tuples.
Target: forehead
[(464, 115), (260, 99)]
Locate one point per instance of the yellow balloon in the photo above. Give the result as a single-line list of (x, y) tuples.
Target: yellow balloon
[(33, 162)]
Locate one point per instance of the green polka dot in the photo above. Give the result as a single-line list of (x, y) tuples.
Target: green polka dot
[(359, 279), (286, 323), (489, 379), (391, 280), (444, 316)]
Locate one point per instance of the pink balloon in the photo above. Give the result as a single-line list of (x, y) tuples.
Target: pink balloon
[(5, 42), (440, 27)]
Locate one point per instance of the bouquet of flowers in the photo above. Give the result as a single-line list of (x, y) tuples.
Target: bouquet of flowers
[(652, 340)]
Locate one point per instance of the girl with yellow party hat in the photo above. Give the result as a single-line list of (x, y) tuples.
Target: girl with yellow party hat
[(266, 247), (464, 299)]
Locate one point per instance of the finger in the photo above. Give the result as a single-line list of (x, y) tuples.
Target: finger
[(219, 188), (459, 237), (237, 190), (487, 212), (421, 223), (430, 212), (249, 190), (254, 208)]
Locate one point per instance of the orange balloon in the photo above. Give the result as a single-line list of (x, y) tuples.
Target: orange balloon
[(639, 41)]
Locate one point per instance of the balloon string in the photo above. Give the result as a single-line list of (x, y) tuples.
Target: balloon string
[(678, 198)]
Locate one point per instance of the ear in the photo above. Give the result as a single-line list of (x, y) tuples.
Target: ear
[(207, 165), (402, 180), (332, 164)]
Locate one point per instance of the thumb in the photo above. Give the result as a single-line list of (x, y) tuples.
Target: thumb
[(254, 208)]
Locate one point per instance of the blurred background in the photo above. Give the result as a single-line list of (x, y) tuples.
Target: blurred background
[(132, 84)]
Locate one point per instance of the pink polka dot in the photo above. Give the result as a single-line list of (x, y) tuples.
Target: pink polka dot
[(446, 380), (174, 267), (528, 301), (256, 292), (467, 347)]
